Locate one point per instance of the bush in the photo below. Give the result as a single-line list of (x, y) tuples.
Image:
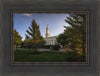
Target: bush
[(47, 46), (55, 47), (51, 48)]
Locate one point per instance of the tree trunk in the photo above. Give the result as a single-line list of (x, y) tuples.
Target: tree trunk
[(35, 47)]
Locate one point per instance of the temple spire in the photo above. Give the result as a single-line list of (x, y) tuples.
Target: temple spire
[(47, 31)]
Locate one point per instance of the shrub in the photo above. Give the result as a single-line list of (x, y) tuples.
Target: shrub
[(54, 47), (47, 46), (51, 48)]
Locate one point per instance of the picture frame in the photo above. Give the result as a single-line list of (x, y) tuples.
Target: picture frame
[(92, 69), (50, 63)]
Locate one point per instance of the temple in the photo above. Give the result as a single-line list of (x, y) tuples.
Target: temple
[(50, 40)]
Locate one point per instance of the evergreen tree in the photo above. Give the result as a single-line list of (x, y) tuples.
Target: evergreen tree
[(78, 23), (74, 36), (34, 35), (68, 38), (17, 39)]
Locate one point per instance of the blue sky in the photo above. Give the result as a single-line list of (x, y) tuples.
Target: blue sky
[(56, 22)]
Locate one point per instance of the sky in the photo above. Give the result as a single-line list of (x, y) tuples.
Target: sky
[(56, 22)]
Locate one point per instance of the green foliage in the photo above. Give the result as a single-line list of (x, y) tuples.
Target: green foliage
[(33, 36), (32, 45), (74, 36), (78, 23), (55, 47), (17, 38), (47, 46), (34, 32), (51, 47)]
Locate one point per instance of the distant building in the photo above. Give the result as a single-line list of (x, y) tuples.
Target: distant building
[(50, 40)]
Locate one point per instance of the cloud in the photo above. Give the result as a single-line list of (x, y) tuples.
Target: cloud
[(27, 14)]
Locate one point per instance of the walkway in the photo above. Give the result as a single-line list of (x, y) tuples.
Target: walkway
[(61, 50)]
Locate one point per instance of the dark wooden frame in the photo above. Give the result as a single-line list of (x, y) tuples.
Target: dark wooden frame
[(6, 69)]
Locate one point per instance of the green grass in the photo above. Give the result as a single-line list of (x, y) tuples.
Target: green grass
[(45, 56)]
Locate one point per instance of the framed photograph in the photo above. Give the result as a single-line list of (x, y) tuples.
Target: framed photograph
[(44, 37), (49, 38)]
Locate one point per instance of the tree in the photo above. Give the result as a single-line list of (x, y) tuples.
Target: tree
[(27, 42), (67, 38), (74, 36), (34, 35), (17, 39), (78, 22)]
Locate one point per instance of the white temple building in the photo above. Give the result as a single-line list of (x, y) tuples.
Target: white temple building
[(50, 40)]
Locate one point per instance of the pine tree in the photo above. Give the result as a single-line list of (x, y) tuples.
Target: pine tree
[(34, 35), (78, 23)]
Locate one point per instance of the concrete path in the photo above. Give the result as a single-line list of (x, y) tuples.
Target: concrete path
[(61, 50)]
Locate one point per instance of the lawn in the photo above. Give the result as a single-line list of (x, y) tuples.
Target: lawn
[(44, 56)]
